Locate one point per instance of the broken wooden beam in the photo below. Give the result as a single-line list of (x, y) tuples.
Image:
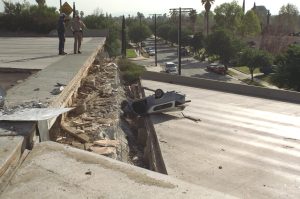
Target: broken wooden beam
[(190, 117), (78, 134)]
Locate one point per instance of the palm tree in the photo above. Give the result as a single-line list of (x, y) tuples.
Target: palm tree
[(193, 18), (207, 5)]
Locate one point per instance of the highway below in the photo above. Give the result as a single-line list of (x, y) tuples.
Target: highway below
[(243, 146), (190, 66)]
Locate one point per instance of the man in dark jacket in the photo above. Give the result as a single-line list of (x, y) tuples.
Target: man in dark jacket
[(61, 33)]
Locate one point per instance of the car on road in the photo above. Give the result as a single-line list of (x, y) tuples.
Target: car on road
[(216, 68), (147, 49), (151, 52), (171, 67)]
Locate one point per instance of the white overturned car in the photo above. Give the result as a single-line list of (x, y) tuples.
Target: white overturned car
[(159, 102)]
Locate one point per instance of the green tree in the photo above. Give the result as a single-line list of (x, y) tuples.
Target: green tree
[(173, 34), (221, 43), (207, 5), (288, 69), (11, 8), (250, 24), (193, 18), (138, 32), (113, 47), (228, 16), (163, 31), (197, 42), (186, 37), (288, 18), (41, 3), (26, 17), (140, 16), (254, 58)]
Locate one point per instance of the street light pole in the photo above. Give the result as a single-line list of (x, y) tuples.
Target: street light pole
[(155, 46), (179, 43), (180, 10), (155, 37)]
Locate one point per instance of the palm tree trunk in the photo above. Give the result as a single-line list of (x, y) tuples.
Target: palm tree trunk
[(207, 23)]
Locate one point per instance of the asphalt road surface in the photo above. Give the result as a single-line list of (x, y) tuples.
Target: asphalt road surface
[(243, 146), (190, 66)]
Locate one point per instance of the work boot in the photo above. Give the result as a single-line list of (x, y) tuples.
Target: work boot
[(79, 51)]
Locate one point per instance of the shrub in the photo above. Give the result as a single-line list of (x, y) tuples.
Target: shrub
[(130, 72)]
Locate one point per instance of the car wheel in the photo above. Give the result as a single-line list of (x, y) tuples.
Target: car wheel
[(158, 93)]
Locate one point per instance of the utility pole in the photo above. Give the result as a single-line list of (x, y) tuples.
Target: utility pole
[(123, 50), (60, 6), (268, 18), (180, 10), (155, 37), (74, 10)]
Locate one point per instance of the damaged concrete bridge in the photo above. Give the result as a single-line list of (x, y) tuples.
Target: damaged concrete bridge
[(242, 142), (87, 152)]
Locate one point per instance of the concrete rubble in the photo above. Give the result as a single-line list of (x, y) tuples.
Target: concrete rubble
[(95, 123)]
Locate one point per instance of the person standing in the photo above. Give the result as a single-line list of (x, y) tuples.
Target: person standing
[(77, 29), (61, 33)]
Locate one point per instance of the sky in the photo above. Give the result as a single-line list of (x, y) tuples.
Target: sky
[(120, 7)]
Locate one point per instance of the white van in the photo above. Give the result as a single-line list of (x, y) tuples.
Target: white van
[(170, 67)]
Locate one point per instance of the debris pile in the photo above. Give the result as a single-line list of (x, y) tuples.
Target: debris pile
[(93, 124)]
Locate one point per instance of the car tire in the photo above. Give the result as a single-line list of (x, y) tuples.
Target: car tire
[(158, 93)]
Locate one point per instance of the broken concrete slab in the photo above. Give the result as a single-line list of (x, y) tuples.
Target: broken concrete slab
[(88, 175), (23, 129), (33, 114), (10, 151), (107, 143), (16, 128), (107, 151)]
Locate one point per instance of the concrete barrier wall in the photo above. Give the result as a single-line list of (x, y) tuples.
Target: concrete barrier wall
[(152, 152), (282, 95)]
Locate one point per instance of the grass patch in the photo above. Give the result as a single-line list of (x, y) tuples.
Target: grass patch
[(130, 53), (252, 83), (245, 69), (130, 72), (231, 73), (265, 78)]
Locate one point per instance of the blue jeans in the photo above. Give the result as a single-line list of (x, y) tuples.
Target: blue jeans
[(61, 45)]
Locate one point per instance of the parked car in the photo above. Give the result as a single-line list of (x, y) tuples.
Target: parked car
[(216, 68), (147, 49), (151, 52), (170, 67)]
